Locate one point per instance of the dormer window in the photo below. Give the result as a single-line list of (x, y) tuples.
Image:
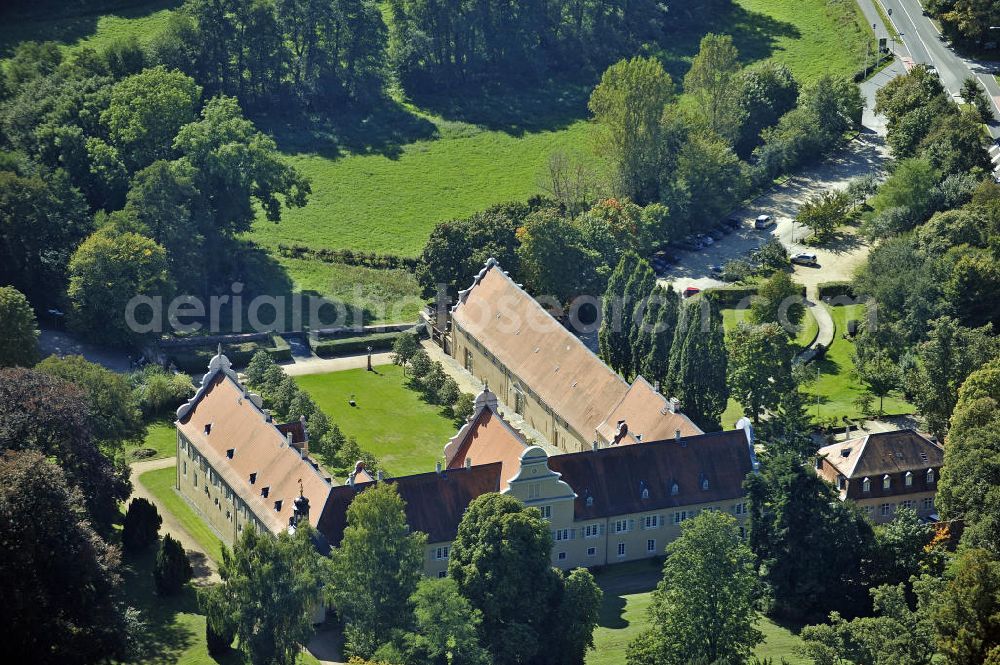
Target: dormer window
[(841, 482), (674, 490), (908, 479), (590, 501), (643, 490), (277, 506), (264, 491), (253, 477), (866, 485), (230, 452), (886, 482), (704, 483), (930, 476)]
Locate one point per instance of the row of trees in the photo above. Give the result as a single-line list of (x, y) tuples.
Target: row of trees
[(968, 21), (428, 376), (288, 403)]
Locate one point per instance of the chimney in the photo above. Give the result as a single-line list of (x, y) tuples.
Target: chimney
[(677, 435), (656, 385), (594, 445), (675, 405), (621, 432), (468, 462), (288, 439), (267, 415), (437, 467), (847, 431)]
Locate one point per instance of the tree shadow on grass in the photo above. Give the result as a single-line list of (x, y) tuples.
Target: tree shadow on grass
[(510, 107), (66, 22), (612, 612), (754, 34), (380, 130)]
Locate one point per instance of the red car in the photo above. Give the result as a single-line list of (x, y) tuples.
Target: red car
[(690, 291)]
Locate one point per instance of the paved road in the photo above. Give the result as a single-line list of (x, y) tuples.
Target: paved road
[(55, 342), (205, 571), (923, 44)]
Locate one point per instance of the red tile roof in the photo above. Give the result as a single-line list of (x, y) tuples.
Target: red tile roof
[(490, 439), (435, 502)]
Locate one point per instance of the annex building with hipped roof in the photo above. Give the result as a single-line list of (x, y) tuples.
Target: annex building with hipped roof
[(884, 471), (541, 371)]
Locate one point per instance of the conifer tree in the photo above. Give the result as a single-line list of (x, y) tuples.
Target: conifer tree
[(655, 364), (698, 365), (611, 342), (637, 292)]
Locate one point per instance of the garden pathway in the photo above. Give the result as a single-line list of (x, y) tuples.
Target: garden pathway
[(205, 571), (317, 365), (824, 322)]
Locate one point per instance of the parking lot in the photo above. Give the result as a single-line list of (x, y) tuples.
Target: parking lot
[(836, 260)]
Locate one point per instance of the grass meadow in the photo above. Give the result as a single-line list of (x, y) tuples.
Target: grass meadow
[(628, 594), (160, 484), (389, 420), (161, 437)]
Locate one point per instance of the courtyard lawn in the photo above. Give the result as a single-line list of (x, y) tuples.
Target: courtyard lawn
[(628, 593), (390, 420), (161, 437), (160, 484), (808, 328), (833, 393)]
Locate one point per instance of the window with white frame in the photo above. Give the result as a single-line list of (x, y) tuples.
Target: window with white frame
[(908, 503), (534, 490), (908, 479), (869, 510), (885, 509), (740, 508), (442, 574), (886, 482), (621, 526), (442, 552), (650, 522), (650, 545), (680, 516), (621, 549), (591, 531), (930, 476), (841, 482), (546, 512), (562, 534), (866, 485), (928, 503), (591, 551)]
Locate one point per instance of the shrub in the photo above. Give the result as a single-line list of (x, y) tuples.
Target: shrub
[(220, 630), (172, 569), (19, 341), (329, 348), (141, 525), (835, 289), (157, 389)]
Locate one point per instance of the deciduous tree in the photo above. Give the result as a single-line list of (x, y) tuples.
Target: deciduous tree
[(710, 80), (19, 342), (759, 367)]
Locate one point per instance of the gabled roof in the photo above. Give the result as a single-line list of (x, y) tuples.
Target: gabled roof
[(224, 417), (615, 477), (880, 453), (647, 415), (490, 439), (435, 502), (551, 361)]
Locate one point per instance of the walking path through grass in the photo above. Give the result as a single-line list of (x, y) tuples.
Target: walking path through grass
[(155, 481)]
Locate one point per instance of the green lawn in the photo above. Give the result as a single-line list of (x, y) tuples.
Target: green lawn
[(837, 386), (160, 483), (390, 420), (90, 23), (174, 627), (161, 437), (624, 615)]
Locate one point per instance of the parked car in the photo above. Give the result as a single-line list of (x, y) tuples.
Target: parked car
[(804, 259), (690, 291), (706, 240), (733, 223), (763, 222)]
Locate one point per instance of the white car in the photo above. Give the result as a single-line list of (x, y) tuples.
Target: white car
[(804, 259), (763, 222)]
